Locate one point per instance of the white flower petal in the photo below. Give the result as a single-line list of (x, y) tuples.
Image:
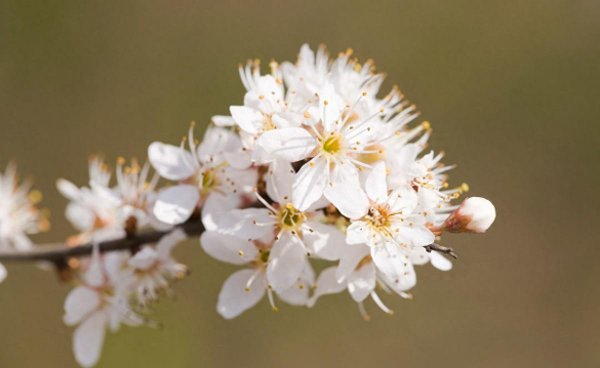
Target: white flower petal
[(362, 282), (352, 256), (325, 241), (80, 302), (389, 261), (306, 57), (237, 296), (298, 293), (166, 244), (319, 204), (88, 339), (290, 144), (376, 184), (171, 162), (407, 279), (249, 223), (68, 189), (345, 171), (403, 200), (349, 198), (215, 207), (428, 198), (329, 107), (280, 179), (114, 265), (310, 183), (82, 217), (327, 283), (234, 181), (223, 120), (287, 119), (216, 141), (248, 119), (228, 248), (286, 262), (416, 235), (357, 233), (94, 275), (143, 259), (107, 196), (174, 205), (238, 159), (419, 256), (401, 162), (440, 262)]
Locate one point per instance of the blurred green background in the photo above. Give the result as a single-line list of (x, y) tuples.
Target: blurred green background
[(511, 89)]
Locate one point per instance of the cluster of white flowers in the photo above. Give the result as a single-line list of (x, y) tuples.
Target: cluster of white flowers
[(314, 165), (118, 287), (313, 171)]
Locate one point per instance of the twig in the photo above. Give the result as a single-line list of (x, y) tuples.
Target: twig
[(441, 249), (57, 253)]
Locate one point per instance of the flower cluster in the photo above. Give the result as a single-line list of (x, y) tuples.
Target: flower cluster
[(115, 289), (314, 165), (19, 216), (313, 185), (118, 287)]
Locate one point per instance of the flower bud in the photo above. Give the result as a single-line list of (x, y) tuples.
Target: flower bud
[(474, 215)]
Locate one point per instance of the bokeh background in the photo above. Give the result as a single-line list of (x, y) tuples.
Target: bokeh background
[(511, 89)]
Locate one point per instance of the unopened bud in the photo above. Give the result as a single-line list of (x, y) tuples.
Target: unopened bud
[(474, 215)]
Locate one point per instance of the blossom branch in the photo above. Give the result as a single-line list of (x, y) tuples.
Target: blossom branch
[(59, 252), (56, 252), (280, 180)]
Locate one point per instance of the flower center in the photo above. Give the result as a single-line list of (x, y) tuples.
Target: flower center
[(268, 123), (264, 256), (380, 217), (105, 294), (332, 144), (290, 218), (209, 180)]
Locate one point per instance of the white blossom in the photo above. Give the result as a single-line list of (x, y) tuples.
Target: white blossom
[(246, 287), (389, 225), (99, 303), (19, 216), (298, 233), (358, 274), (100, 211), (152, 269), (206, 175), (266, 107)]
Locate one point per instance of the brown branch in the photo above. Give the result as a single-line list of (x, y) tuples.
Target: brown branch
[(441, 249), (57, 253)]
